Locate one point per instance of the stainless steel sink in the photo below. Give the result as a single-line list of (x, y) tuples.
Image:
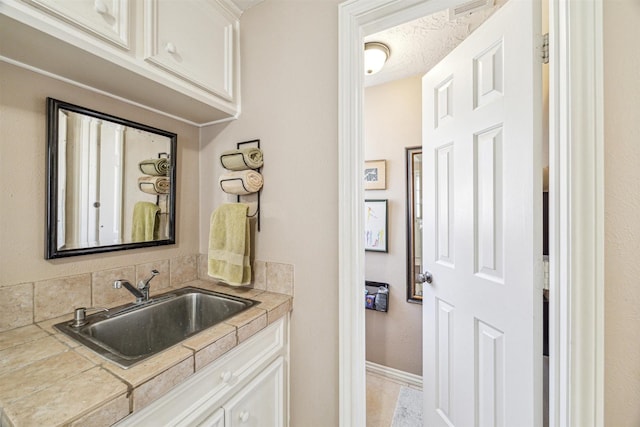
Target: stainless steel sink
[(131, 333)]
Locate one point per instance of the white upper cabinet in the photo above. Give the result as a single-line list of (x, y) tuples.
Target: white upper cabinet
[(193, 40), (107, 19), (177, 57)]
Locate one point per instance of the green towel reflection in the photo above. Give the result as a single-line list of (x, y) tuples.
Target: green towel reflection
[(145, 222)]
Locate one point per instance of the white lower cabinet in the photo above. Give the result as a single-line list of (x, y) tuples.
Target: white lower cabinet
[(248, 386), (260, 403), (215, 420)]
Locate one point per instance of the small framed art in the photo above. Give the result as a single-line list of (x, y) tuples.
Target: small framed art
[(375, 175), (375, 225)]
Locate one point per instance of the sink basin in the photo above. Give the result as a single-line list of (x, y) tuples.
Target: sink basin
[(131, 333)]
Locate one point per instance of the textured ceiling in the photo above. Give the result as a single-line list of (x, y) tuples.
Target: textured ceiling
[(419, 45)]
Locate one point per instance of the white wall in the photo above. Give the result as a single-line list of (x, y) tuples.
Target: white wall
[(289, 102), (392, 122)]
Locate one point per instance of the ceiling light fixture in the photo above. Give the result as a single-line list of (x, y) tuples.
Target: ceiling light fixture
[(375, 56)]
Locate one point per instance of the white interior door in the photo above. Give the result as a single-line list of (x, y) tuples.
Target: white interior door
[(483, 226), (111, 193)]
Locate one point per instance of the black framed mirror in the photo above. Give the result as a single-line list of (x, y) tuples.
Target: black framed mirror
[(111, 183), (414, 223)]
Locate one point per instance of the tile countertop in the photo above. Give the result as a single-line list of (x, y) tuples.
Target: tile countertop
[(49, 379)]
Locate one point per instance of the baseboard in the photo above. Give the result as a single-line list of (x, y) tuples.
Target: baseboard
[(396, 375)]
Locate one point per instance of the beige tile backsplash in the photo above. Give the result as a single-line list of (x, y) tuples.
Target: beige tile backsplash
[(25, 303), (260, 275), (104, 294), (183, 270), (270, 276), (16, 306), (280, 278), (53, 298)]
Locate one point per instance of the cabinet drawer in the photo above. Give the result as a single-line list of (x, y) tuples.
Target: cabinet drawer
[(214, 420), (107, 19), (194, 41), (241, 363)]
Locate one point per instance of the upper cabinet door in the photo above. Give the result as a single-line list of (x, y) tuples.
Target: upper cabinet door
[(107, 19), (195, 41)]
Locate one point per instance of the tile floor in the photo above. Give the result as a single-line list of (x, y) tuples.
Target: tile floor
[(382, 395)]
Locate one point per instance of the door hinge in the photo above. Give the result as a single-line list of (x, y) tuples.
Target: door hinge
[(545, 48)]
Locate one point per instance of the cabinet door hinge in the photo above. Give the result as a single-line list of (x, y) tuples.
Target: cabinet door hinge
[(545, 48)]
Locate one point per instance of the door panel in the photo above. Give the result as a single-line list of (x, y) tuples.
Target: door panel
[(489, 204), (444, 200), (488, 73), (444, 358), (490, 366), (483, 227)]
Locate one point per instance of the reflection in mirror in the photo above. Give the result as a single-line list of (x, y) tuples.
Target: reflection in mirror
[(110, 183), (414, 223)]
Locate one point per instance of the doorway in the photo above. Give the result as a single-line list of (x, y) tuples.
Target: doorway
[(387, 125), (392, 122), (571, 202)]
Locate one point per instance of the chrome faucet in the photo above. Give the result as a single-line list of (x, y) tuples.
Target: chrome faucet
[(142, 291)]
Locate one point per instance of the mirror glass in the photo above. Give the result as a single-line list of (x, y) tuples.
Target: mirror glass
[(414, 223), (111, 183)]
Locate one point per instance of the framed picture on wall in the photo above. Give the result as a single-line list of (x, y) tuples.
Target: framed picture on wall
[(375, 175), (375, 225)]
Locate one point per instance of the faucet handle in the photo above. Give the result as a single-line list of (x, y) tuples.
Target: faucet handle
[(144, 283)]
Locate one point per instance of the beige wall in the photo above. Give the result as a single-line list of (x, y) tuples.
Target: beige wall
[(22, 179), (289, 102), (392, 122), (622, 213)]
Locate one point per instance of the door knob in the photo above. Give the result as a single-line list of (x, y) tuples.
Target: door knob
[(424, 277)]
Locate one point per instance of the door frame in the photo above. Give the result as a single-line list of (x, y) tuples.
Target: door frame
[(576, 188)]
